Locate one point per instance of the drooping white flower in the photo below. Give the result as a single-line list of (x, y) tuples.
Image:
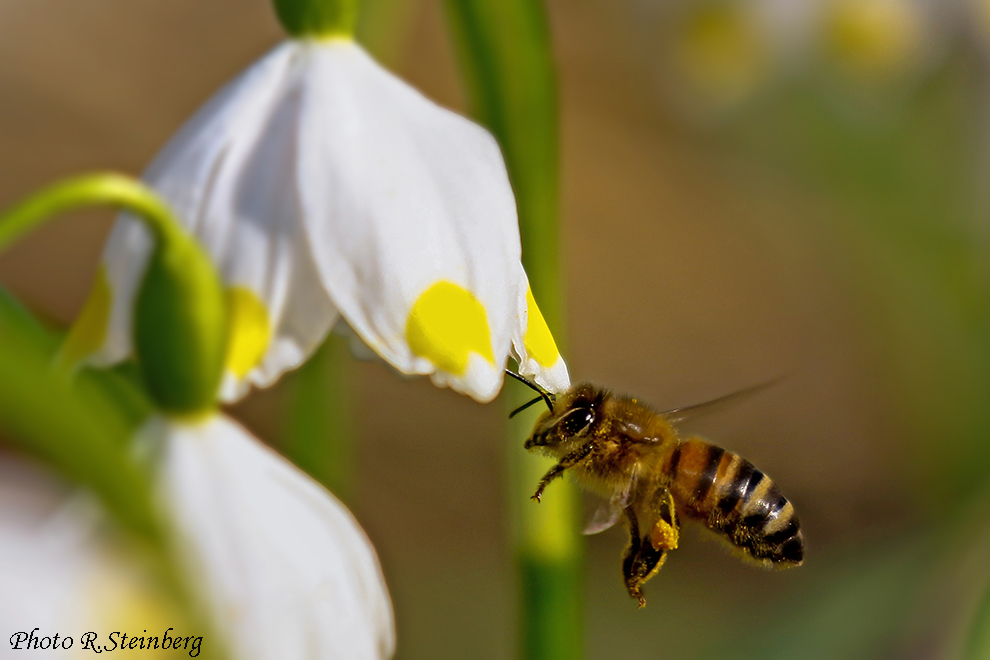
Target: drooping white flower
[(328, 190), (285, 570)]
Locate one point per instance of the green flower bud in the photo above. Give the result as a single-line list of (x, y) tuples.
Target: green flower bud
[(180, 331), (320, 19)]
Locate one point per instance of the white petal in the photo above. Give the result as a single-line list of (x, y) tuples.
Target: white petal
[(399, 194), (59, 571), (230, 176), (286, 570)]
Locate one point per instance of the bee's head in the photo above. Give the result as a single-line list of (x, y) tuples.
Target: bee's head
[(573, 416)]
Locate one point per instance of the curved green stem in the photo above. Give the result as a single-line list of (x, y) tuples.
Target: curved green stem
[(88, 190), (84, 426)]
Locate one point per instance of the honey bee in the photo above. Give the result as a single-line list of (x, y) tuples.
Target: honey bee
[(631, 455)]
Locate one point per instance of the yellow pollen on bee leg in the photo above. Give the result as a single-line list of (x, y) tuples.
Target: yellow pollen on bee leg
[(446, 324), (538, 340), (90, 328), (663, 536), (248, 332)]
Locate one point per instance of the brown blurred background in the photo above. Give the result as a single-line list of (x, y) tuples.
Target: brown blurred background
[(697, 262)]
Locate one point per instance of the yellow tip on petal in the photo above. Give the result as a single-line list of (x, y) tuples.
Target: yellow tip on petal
[(538, 341), (446, 324), (90, 329), (248, 332)]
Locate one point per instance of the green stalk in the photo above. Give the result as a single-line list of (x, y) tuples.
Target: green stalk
[(74, 425), (505, 56), (506, 59), (547, 548), (80, 428), (978, 641), (320, 432)]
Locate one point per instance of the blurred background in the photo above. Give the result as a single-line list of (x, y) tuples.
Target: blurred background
[(751, 190)]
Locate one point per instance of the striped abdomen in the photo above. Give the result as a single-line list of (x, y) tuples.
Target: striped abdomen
[(730, 496)]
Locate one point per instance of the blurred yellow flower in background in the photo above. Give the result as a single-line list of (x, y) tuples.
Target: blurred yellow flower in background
[(720, 54), (873, 40)]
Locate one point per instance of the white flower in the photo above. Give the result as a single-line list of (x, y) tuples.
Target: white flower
[(63, 572), (285, 570), (282, 568), (326, 189)]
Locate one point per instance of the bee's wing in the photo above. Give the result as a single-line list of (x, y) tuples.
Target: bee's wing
[(608, 512), (604, 516), (678, 415)]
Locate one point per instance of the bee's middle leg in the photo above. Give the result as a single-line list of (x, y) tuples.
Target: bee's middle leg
[(568, 461)]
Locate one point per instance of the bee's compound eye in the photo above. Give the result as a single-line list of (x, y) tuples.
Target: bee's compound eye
[(577, 420)]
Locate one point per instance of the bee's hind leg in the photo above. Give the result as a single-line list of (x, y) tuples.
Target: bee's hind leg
[(666, 530), (568, 461), (648, 548)]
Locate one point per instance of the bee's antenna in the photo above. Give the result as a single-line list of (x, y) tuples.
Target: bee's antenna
[(546, 396), (524, 406)]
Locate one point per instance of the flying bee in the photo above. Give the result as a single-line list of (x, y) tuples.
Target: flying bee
[(631, 455)]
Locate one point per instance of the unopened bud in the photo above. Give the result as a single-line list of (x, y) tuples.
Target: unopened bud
[(180, 327)]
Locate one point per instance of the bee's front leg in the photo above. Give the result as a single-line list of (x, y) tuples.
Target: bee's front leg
[(568, 461)]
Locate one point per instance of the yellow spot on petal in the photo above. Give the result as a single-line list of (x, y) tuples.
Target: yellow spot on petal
[(446, 324), (249, 331), (538, 341), (90, 329)]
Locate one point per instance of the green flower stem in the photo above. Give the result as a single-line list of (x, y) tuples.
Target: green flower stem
[(318, 19), (320, 432), (505, 54), (74, 425), (978, 642), (84, 428), (548, 548), (180, 330)]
